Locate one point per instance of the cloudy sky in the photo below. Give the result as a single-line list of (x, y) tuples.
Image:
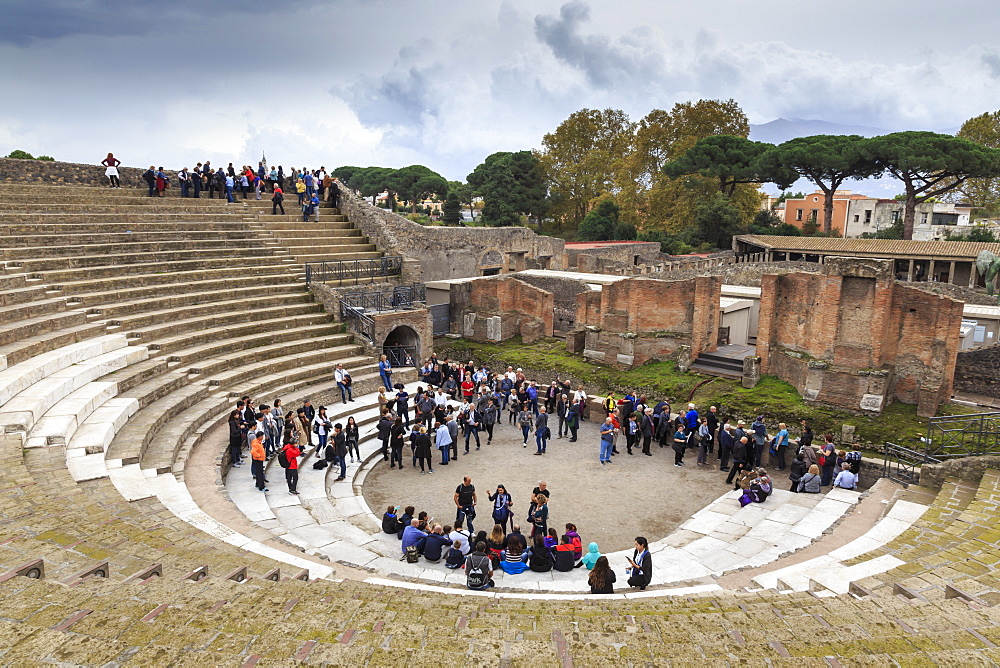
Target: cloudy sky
[(447, 82)]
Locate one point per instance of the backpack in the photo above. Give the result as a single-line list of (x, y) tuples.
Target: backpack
[(412, 556), (283, 460), (476, 572), (277, 197)]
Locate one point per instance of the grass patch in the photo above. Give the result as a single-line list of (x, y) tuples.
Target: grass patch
[(773, 398)]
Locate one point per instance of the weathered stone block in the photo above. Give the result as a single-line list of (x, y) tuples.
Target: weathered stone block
[(751, 371)]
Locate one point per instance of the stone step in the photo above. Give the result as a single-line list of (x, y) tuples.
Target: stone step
[(337, 238), (132, 440), (156, 283), (18, 330), (149, 327), (349, 355), (166, 267), (32, 229), (184, 347), (142, 258), (176, 294), (24, 310), (15, 379), (128, 248), (139, 315), (126, 236), (338, 344), (49, 334), (286, 382), (22, 411), (329, 332), (229, 214), (303, 258), (86, 448)]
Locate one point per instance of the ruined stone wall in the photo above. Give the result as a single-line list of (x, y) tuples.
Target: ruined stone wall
[(614, 255), (639, 319), (453, 252), (72, 173), (978, 371), (966, 469), (853, 337), (500, 308), (565, 292)]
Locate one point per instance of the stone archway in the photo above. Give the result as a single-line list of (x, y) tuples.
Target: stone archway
[(401, 343), (491, 263)]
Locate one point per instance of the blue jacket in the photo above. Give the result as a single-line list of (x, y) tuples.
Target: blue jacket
[(692, 419)]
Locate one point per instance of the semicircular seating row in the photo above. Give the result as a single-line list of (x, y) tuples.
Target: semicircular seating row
[(153, 582), (130, 323)]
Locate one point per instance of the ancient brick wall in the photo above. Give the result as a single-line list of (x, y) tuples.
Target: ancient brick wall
[(565, 292), (852, 337), (454, 252), (612, 255), (500, 308), (639, 319), (978, 371)]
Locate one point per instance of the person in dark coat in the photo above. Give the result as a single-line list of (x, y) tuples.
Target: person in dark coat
[(422, 450), (739, 459), (640, 565), (390, 521), (798, 469), (235, 439), (339, 448)]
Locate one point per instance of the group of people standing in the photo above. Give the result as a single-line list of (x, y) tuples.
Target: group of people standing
[(311, 186)]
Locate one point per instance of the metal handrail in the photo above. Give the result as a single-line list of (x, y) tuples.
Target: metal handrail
[(963, 435), (341, 270), (902, 464), (358, 322), (389, 299)]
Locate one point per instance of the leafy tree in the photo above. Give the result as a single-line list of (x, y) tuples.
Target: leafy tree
[(415, 183), (581, 158), (827, 161), (372, 182), (651, 199), (511, 185), (46, 158), (810, 226), (984, 192), (600, 223), (18, 154), (451, 210), (731, 161), (625, 232), (717, 221), (464, 194), (344, 173), (977, 233), (929, 165), (766, 218)]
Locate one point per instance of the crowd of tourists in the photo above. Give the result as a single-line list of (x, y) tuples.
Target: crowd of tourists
[(310, 186), (459, 404)]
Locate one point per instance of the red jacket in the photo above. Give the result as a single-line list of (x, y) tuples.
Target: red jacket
[(292, 452)]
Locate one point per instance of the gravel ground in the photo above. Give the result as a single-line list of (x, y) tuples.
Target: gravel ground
[(611, 504)]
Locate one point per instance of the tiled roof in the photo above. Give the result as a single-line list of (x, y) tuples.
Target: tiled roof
[(967, 250)]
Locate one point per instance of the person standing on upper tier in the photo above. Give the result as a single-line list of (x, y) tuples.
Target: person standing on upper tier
[(111, 163)]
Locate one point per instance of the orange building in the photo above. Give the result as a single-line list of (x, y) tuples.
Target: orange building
[(810, 207)]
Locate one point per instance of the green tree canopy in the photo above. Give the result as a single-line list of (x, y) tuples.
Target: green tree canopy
[(827, 161), (581, 159), (730, 161), (451, 209), (929, 164), (600, 223), (511, 184), (717, 221), (981, 192), (18, 154), (415, 183)]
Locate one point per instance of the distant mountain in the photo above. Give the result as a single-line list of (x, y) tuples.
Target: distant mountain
[(783, 129)]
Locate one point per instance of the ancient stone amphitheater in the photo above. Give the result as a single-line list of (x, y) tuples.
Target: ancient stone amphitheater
[(129, 326)]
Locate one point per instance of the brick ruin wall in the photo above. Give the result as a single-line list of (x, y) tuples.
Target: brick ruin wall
[(500, 308), (852, 337), (564, 292), (633, 321)]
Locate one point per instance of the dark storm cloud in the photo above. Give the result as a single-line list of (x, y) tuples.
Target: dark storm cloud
[(27, 21), (606, 63)]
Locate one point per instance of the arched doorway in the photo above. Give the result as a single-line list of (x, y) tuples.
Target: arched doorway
[(402, 346)]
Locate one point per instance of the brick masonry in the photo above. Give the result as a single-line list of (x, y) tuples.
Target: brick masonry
[(635, 320), (854, 338), (500, 308)]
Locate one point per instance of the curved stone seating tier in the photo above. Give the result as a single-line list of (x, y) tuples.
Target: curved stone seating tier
[(332, 519), (956, 548), (220, 622)]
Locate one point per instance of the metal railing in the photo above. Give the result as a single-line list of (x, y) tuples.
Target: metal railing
[(902, 464), (358, 322), (963, 435), (353, 270), (388, 299), (401, 356)]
